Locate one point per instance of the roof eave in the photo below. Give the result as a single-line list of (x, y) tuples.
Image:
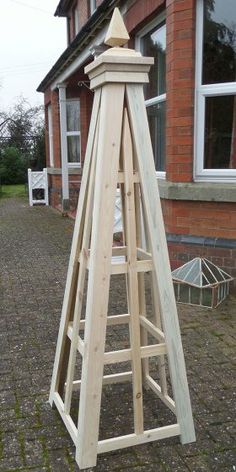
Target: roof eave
[(84, 35), (62, 8)]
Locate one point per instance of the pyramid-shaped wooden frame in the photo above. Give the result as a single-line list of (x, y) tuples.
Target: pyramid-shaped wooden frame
[(119, 154)]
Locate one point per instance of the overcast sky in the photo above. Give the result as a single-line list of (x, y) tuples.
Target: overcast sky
[(31, 40)]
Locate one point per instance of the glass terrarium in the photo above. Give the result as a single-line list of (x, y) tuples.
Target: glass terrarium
[(200, 282)]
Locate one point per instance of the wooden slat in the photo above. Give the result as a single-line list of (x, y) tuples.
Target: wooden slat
[(141, 280), (121, 177), (156, 332), (123, 267), (120, 267), (132, 277), (153, 350), (157, 317), (158, 322), (156, 388), (124, 355), (62, 351), (119, 251), (111, 320), (79, 341), (134, 439), (108, 379), (143, 147), (108, 152), (114, 357), (70, 425), (142, 254), (144, 266), (81, 281)]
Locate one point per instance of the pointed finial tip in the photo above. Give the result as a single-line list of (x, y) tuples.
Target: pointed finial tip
[(117, 34)]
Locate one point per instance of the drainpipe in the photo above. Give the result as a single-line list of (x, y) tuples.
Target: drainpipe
[(64, 151)]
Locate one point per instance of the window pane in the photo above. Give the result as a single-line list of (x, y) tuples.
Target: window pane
[(154, 45), (73, 115), (73, 143), (220, 132), (157, 117), (219, 45)]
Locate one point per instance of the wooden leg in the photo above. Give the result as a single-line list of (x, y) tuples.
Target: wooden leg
[(132, 278), (141, 281), (62, 351), (143, 148), (81, 281), (108, 152), (158, 324)]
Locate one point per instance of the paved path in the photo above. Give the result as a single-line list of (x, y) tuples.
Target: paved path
[(34, 249)]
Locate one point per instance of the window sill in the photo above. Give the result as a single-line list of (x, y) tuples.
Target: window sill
[(197, 191), (57, 170)]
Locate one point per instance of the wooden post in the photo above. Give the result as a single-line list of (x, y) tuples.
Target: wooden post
[(119, 154)]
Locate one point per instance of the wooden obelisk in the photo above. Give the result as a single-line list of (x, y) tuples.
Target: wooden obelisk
[(119, 154)]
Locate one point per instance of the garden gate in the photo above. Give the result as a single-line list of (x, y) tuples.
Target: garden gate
[(38, 187)]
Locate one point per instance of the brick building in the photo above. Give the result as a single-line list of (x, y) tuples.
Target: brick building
[(191, 107)]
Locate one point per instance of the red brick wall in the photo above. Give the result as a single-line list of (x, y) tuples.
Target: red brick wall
[(180, 24), (83, 9), (209, 219), (142, 11), (56, 128), (51, 97), (86, 109), (83, 12), (71, 27), (46, 134), (54, 182)]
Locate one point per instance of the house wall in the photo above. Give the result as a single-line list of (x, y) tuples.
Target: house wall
[(73, 90), (194, 226), (180, 70), (206, 228), (54, 181), (82, 9), (211, 226)]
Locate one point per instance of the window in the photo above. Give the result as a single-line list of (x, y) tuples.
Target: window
[(215, 130), (73, 132), (50, 136), (75, 15), (91, 6), (152, 42)]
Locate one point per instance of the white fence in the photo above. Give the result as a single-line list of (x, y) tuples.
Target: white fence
[(38, 181), (118, 225)]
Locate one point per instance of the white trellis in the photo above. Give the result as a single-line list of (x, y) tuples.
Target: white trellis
[(36, 181), (118, 226)]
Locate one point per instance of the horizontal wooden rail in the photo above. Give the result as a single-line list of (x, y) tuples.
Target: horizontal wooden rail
[(135, 439)]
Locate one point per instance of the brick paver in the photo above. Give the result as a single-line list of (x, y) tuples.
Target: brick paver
[(34, 250)]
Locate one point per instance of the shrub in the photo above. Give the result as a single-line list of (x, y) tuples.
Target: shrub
[(13, 166)]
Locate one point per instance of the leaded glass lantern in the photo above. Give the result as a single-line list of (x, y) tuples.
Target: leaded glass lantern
[(200, 282)]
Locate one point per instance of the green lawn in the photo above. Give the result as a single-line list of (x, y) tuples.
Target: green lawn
[(9, 191)]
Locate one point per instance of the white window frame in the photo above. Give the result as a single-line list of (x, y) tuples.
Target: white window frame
[(73, 133), (50, 136), (93, 6), (138, 46), (76, 19), (201, 93)]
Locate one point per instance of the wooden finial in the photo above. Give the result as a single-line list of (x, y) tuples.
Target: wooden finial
[(117, 34)]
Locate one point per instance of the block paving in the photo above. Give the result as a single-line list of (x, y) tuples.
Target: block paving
[(34, 250)]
